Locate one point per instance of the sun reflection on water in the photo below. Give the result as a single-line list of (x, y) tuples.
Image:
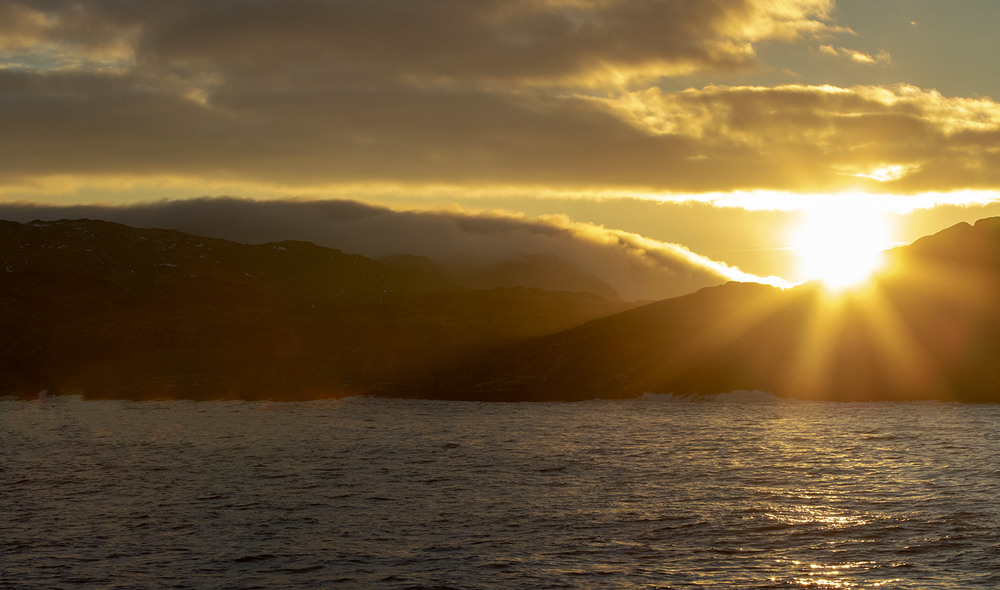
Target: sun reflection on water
[(805, 515), (833, 575), (822, 519)]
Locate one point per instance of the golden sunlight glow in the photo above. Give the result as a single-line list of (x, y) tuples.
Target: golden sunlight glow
[(840, 245), (887, 173)]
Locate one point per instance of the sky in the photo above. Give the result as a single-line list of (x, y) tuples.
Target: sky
[(711, 128)]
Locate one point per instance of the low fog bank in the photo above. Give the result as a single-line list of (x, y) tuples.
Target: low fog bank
[(637, 268)]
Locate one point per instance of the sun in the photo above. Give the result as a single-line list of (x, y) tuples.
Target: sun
[(841, 245)]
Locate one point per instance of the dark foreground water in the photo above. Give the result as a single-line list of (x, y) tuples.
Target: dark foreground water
[(731, 492)]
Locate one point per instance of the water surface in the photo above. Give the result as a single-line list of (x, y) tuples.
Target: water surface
[(734, 491)]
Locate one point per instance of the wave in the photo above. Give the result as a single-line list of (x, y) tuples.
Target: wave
[(738, 396)]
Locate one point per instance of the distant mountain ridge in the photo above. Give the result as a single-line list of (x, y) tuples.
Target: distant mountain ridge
[(108, 310), (542, 271), (162, 256), (134, 258)]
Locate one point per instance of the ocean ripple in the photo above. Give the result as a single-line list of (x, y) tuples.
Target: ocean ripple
[(741, 491)]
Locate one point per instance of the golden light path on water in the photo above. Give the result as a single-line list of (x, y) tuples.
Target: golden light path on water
[(827, 575)]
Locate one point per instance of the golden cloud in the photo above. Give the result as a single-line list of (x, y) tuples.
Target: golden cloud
[(784, 20), (68, 37), (882, 57), (466, 94), (888, 134), (443, 42)]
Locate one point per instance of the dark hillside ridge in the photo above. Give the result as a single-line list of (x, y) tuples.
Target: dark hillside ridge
[(110, 311), (543, 271), (141, 258), (106, 310)]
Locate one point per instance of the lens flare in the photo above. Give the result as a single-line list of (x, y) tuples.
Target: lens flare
[(840, 246)]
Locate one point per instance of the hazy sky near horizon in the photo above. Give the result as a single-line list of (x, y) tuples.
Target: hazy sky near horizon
[(702, 123)]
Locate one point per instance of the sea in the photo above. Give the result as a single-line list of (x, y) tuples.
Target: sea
[(741, 490)]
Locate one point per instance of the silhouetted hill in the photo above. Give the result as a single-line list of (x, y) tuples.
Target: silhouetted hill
[(929, 328), (543, 271), (139, 258), (540, 271), (108, 310), (111, 311), (678, 345)]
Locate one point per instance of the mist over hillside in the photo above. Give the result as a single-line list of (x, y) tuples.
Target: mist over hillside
[(635, 267)]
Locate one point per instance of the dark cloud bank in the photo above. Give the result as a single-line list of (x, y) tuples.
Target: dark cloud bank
[(310, 93), (554, 93)]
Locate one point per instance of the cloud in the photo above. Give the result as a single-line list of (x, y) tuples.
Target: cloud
[(635, 266), (454, 41), (335, 91), (797, 138), (881, 58), (822, 138), (61, 35), (512, 94)]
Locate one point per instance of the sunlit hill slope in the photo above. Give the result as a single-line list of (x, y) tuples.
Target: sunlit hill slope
[(927, 328)]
